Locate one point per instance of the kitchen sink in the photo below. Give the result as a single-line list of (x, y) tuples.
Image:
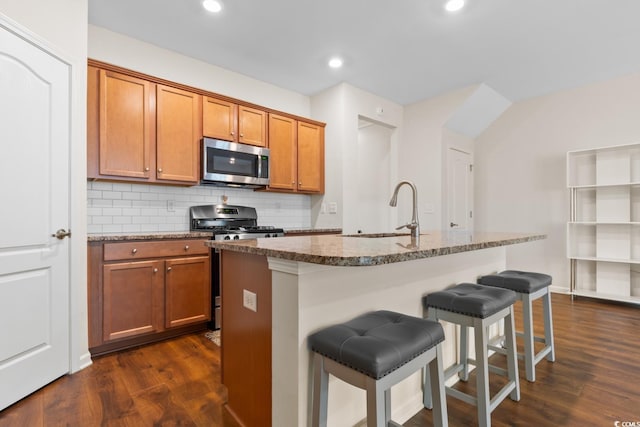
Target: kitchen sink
[(376, 235)]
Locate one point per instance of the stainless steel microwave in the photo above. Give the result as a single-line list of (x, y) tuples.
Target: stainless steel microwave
[(233, 164)]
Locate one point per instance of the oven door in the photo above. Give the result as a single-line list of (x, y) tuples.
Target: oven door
[(229, 162)]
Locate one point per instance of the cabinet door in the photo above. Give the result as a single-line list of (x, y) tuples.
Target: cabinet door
[(125, 125), (282, 147), (178, 134), (188, 291), (310, 158), (133, 299), (252, 126), (219, 119)]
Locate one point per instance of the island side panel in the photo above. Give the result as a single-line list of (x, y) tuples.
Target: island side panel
[(246, 337), (307, 297)]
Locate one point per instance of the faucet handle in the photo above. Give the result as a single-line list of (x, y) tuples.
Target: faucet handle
[(410, 226)]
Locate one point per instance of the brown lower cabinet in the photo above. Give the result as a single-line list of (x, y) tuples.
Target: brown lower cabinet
[(145, 291)]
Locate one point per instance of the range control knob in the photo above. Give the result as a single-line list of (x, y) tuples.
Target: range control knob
[(236, 237), (227, 238), (267, 235)]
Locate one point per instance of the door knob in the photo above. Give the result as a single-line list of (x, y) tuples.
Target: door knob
[(453, 224), (61, 234)]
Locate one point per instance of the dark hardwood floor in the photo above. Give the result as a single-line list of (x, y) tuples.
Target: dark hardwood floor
[(595, 381), (172, 383)]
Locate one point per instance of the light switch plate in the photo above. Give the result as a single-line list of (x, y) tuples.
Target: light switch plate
[(250, 300)]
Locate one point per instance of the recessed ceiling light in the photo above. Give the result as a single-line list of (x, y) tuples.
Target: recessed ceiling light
[(454, 5), (214, 6), (335, 62)]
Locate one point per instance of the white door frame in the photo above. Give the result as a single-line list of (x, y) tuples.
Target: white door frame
[(448, 191), (79, 356)]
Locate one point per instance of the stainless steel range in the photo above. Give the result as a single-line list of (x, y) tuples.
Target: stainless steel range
[(227, 222)]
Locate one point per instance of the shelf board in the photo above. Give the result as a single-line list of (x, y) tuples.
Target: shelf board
[(621, 261), (603, 223), (600, 295), (594, 186)]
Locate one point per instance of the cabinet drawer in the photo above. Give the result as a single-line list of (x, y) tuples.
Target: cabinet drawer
[(156, 249)]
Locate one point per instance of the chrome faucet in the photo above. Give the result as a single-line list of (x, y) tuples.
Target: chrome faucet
[(413, 225)]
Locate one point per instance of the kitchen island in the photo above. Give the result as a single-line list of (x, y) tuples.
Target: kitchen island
[(275, 292)]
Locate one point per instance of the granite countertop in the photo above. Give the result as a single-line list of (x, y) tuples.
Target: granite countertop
[(348, 250), (120, 237)]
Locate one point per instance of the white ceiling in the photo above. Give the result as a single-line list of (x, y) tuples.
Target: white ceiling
[(402, 50)]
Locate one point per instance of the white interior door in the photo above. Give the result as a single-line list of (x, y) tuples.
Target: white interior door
[(460, 190), (34, 203)]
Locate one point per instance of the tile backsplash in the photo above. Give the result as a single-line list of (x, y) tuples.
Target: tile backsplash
[(122, 208)]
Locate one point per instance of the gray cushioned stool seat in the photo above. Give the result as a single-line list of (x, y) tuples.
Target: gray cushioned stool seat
[(377, 343), (476, 306), (529, 287), (373, 352), (471, 300), (520, 281)]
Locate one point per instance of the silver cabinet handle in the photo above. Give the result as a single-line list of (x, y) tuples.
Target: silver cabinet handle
[(168, 268), (453, 224), (134, 251), (155, 270), (160, 170), (186, 247), (146, 169), (61, 234)]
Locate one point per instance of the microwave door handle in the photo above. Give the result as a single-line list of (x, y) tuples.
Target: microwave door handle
[(259, 166)]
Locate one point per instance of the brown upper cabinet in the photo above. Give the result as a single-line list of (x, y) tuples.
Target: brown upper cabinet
[(142, 128), (297, 155), (138, 130), (234, 122)]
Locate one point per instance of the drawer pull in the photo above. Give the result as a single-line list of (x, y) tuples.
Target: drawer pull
[(134, 251), (186, 247), (155, 270), (168, 268)]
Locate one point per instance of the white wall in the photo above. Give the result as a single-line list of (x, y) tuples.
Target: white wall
[(373, 174), (127, 52), (422, 155), (520, 168), (62, 24), (341, 107)]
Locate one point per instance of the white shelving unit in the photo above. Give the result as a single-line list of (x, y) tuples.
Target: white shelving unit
[(603, 232)]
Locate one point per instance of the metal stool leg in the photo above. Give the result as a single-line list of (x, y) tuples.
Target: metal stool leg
[(529, 349), (320, 392), (512, 358), (482, 374), (376, 402), (439, 403), (548, 326), (464, 353)]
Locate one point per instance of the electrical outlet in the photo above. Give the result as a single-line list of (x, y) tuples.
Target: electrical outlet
[(333, 208), (171, 207), (250, 300)]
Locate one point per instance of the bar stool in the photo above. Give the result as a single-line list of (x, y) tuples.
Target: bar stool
[(529, 287), (478, 307), (373, 352)]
